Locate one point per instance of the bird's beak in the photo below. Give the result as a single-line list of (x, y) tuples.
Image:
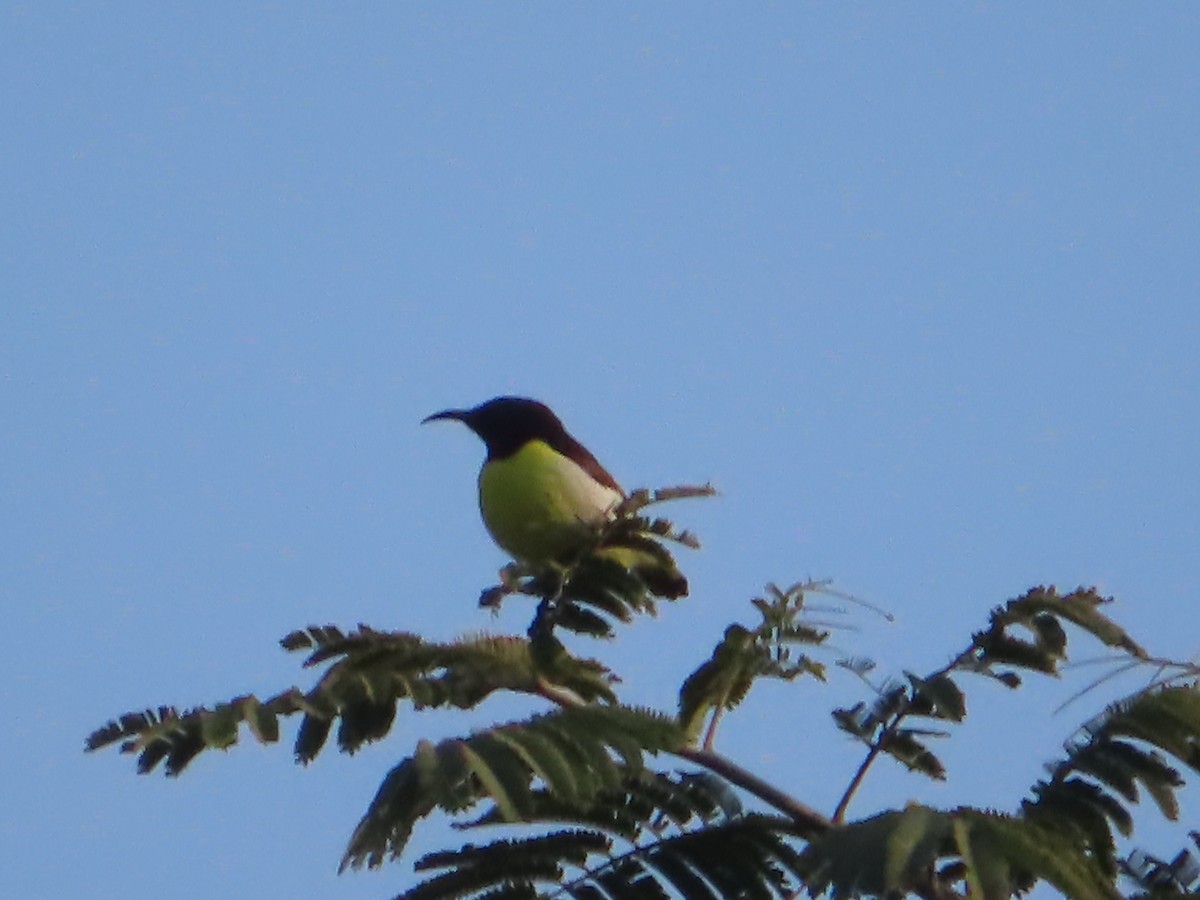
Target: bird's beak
[(458, 415)]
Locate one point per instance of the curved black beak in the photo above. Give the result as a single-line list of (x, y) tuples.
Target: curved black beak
[(458, 415)]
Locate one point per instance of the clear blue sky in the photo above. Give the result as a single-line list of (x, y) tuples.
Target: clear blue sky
[(917, 287)]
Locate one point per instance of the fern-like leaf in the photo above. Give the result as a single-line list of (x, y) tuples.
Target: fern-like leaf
[(577, 753), (1087, 792), (368, 672), (622, 571), (996, 856), (673, 841), (1025, 634), (744, 655), (1159, 879)]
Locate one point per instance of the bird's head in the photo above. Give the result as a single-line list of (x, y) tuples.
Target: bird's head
[(505, 424)]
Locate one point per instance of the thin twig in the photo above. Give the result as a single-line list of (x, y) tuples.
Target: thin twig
[(872, 752), (876, 746), (710, 733)]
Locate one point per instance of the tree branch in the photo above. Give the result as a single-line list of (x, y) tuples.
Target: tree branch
[(803, 815)]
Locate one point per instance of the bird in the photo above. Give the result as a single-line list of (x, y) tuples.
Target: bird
[(543, 495)]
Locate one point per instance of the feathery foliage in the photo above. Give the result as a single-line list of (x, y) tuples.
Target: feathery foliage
[(573, 807), (744, 655), (928, 852), (654, 835), (1163, 880), (573, 753), (1026, 633), (621, 573), (368, 673)]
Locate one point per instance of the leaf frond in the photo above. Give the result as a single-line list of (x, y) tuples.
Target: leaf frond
[(1113, 755), (367, 674), (726, 856), (920, 850), (621, 572), (575, 753), (746, 654)]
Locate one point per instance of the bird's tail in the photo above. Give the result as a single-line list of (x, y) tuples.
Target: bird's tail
[(651, 563)]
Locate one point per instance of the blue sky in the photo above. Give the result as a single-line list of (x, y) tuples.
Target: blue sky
[(916, 288)]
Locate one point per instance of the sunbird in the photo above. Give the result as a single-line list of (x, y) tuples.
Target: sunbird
[(544, 497)]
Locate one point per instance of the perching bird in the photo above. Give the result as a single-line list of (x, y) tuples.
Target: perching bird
[(543, 495)]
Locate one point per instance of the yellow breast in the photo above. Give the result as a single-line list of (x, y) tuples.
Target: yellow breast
[(539, 505)]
